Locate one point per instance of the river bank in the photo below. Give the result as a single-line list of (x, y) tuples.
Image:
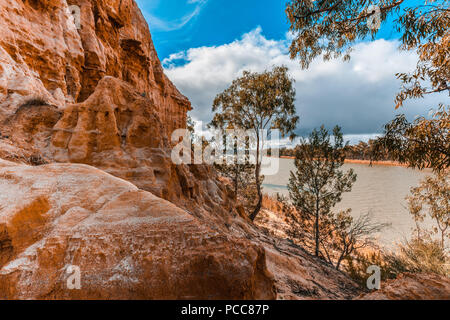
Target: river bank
[(368, 162)]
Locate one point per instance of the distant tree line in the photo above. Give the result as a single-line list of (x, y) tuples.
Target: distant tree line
[(361, 151)]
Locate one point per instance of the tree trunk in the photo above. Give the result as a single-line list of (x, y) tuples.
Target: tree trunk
[(260, 196), (338, 264), (236, 182), (258, 184), (316, 227)]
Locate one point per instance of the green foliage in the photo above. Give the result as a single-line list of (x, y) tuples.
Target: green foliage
[(432, 199), (341, 236), (240, 174), (361, 151), (258, 101), (318, 183), (365, 151), (423, 143), (330, 27), (426, 28), (237, 167), (242, 177)]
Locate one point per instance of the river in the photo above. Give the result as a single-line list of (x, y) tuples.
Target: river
[(379, 189)]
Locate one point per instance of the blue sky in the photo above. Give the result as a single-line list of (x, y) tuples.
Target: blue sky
[(183, 24), (205, 44), (178, 25)]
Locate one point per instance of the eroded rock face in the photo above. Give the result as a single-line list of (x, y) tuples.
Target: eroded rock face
[(117, 42), (120, 132), (113, 121), (128, 243), (412, 287), (44, 55), (41, 53), (94, 93)]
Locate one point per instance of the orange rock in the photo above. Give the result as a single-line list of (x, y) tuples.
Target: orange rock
[(128, 243), (112, 121), (43, 54), (117, 42), (409, 286)]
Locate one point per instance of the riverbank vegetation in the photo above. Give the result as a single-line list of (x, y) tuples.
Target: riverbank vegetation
[(361, 151), (328, 29), (255, 102)]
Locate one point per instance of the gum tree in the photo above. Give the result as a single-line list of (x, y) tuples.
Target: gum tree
[(419, 144), (237, 167), (329, 28), (258, 101)]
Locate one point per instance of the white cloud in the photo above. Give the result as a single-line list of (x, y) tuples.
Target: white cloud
[(164, 25), (357, 95)]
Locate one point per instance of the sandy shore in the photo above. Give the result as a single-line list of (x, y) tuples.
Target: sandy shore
[(377, 163)]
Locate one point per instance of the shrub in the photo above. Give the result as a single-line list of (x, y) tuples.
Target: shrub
[(420, 255), (423, 255), (36, 160)]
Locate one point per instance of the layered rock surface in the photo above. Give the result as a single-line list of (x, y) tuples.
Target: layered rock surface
[(43, 54), (128, 243), (97, 96)]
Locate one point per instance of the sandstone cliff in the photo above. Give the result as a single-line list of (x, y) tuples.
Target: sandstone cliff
[(43, 54), (128, 243), (86, 177)]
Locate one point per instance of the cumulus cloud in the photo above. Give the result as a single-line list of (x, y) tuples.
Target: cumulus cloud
[(357, 95)]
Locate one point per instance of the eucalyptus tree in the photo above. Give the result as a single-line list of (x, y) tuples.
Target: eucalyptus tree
[(329, 28), (419, 144), (236, 164), (257, 102)]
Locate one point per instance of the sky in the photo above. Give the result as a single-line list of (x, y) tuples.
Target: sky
[(205, 44)]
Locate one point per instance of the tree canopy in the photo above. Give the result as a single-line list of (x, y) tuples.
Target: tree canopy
[(258, 101), (420, 144), (329, 28)]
